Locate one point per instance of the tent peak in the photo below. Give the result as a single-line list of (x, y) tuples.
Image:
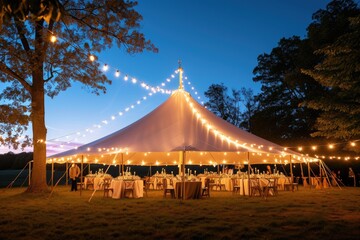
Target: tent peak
[(180, 75)]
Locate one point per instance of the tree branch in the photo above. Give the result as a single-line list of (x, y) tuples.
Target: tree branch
[(20, 28), (11, 73)]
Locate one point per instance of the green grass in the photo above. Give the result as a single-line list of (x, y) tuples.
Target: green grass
[(303, 214)]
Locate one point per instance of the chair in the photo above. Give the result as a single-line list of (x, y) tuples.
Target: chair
[(89, 183), (159, 184), (150, 182), (291, 185), (205, 192), (219, 185), (168, 188), (129, 187), (305, 183), (80, 183), (145, 187), (147, 184), (212, 183), (288, 185), (255, 187), (271, 187), (107, 188), (236, 186), (296, 184)]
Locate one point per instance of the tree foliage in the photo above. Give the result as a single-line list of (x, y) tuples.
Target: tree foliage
[(250, 106), (230, 108), (32, 66), (339, 73), (286, 87), (221, 104)]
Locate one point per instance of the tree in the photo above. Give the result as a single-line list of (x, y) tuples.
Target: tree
[(32, 66), (283, 89), (222, 105), (218, 100), (286, 88), (250, 105), (339, 73)]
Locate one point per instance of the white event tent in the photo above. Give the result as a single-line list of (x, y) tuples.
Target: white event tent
[(181, 132)]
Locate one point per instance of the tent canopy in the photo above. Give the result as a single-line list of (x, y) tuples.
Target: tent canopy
[(180, 125)]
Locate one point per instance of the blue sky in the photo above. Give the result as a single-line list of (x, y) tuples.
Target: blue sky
[(217, 41)]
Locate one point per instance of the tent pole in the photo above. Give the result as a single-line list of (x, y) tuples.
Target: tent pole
[(181, 159), (66, 173), (30, 172), (150, 174), (119, 169), (320, 174), (122, 164), (52, 174), (81, 173), (291, 174), (310, 183), (302, 173), (249, 183)]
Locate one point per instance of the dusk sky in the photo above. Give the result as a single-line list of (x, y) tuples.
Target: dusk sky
[(217, 42)]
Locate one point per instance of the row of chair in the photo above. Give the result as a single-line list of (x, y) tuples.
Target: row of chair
[(255, 187)]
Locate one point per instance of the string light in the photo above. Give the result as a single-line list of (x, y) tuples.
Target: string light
[(127, 109), (53, 39), (193, 90)]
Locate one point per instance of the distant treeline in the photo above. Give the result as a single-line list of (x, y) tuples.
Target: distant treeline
[(12, 160)]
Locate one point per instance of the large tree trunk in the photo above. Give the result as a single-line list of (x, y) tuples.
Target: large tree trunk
[(38, 178)]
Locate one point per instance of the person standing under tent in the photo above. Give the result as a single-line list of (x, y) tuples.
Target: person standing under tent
[(352, 180), (268, 170), (74, 173)]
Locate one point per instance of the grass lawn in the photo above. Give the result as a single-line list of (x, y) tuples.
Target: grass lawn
[(303, 214)]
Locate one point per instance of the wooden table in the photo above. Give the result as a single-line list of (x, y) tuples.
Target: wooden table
[(192, 190)]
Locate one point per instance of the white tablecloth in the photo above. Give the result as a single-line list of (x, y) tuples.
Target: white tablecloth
[(118, 186), (244, 184), (96, 180)]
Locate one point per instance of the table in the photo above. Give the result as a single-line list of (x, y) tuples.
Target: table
[(96, 180), (244, 184), (118, 186), (282, 181), (192, 190), (88, 181), (226, 181), (319, 182)]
